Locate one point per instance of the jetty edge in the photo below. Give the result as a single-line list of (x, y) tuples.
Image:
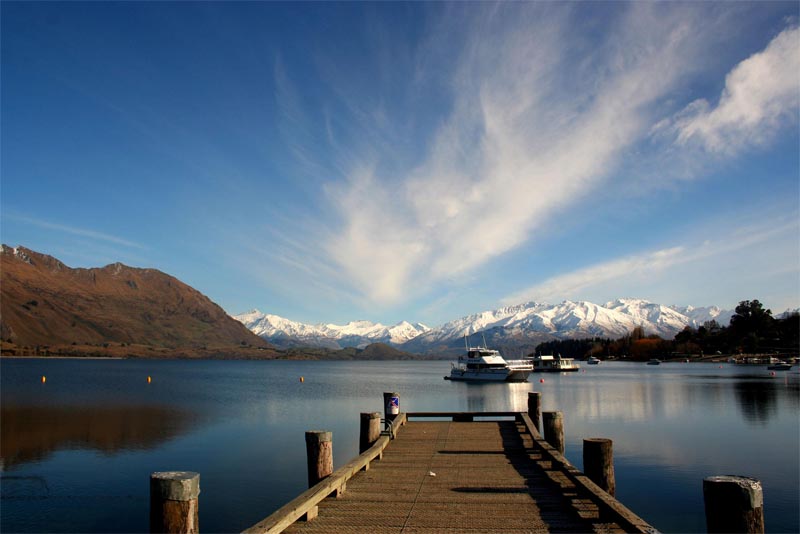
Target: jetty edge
[(306, 505)]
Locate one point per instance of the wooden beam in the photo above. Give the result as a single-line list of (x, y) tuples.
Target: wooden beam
[(307, 501)]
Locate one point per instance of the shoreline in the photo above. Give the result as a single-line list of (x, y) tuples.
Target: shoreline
[(62, 357)]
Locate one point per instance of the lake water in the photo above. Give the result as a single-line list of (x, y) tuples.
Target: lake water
[(78, 449)]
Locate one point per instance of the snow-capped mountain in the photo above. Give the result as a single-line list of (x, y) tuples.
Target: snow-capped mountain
[(525, 325), (514, 327), (285, 333), (705, 314)]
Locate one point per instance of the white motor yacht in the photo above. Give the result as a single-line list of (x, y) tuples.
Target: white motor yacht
[(480, 364)]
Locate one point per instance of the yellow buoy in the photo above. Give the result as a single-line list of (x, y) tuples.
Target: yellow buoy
[(149, 379), (44, 379), (302, 379)]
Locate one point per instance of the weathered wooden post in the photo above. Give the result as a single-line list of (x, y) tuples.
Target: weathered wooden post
[(391, 405), (733, 504), (319, 453), (370, 430), (173, 502), (535, 408), (553, 426), (598, 463)]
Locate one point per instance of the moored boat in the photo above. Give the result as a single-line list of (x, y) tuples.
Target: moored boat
[(654, 361), (781, 366), (592, 360), (481, 364), (552, 364)]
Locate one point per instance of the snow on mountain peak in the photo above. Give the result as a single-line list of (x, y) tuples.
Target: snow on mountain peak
[(531, 320), (355, 333)]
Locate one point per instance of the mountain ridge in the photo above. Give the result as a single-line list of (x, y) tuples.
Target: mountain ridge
[(286, 333), (113, 310), (517, 327)]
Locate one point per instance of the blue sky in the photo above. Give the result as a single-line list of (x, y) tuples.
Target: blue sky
[(329, 162)]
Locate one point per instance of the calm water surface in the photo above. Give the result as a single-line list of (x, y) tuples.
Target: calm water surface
[(77, 450)]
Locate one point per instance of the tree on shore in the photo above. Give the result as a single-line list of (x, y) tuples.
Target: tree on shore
[(752, 328)]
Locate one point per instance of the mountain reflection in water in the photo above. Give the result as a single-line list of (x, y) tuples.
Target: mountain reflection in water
[(32, 433)]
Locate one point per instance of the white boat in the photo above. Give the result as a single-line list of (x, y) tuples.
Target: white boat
[(592, 360), (553, 364), (480, 364)]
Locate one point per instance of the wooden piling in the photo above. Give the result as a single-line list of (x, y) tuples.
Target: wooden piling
[(598, 463), (391, 405), (553, 426), (319, 453), (370, 430), (174, 502), (733, 504), (535, 408)]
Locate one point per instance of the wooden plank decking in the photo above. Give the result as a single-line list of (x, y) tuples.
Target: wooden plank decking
[(485, 476)]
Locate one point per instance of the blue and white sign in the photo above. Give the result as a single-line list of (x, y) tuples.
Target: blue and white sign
[(393, 407)]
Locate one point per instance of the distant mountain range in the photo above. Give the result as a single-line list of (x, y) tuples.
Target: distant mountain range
[(286, 333), (513, 329)]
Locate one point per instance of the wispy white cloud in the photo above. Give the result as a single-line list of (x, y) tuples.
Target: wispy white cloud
[(760, 94), (577, 283), (83, 232), (656, 270), (535, 126)]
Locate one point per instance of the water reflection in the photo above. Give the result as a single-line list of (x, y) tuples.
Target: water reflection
[(757, 400), (502, 397), (641, 398), (671, 425), (32, 433)]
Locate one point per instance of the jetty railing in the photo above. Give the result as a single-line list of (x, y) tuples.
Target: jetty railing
[(609, 507), (305, 504)]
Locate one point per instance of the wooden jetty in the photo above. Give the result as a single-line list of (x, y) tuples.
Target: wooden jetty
[(463, 472)]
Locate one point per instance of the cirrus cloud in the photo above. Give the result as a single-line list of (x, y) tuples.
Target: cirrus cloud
[(533, 127)]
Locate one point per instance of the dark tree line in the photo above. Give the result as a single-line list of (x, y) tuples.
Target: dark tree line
[(752, 329)]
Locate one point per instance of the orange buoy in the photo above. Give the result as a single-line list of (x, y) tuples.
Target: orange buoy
[(302, 379), (149, 379), (44, 379)]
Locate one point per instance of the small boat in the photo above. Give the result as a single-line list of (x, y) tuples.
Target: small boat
[(592, 360), (553, 364), (781, 366), (654, 361), (481, 364)]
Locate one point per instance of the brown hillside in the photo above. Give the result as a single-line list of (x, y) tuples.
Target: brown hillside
[(44, 302)]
